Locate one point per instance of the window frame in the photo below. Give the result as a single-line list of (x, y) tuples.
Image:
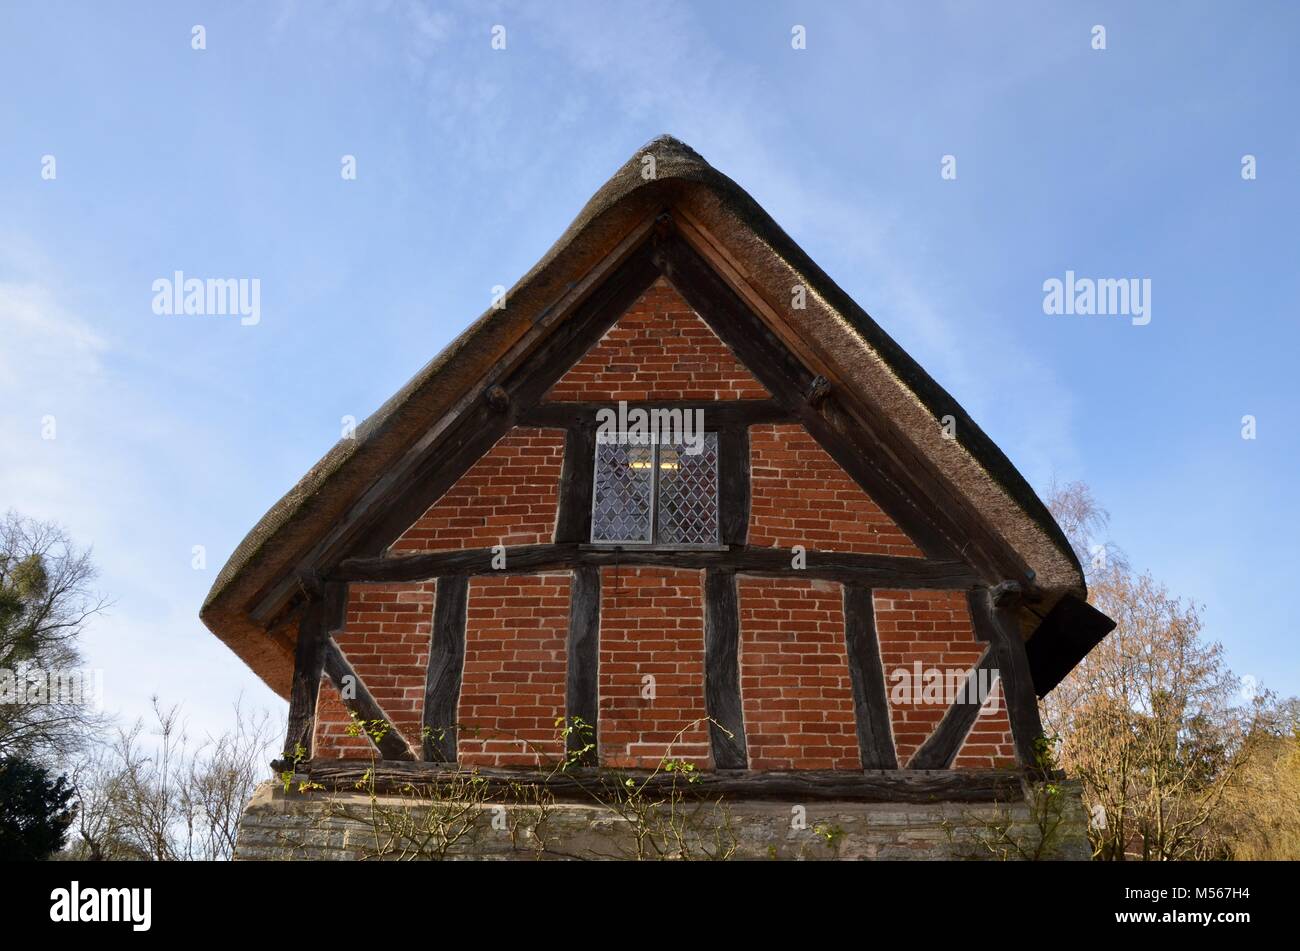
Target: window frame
[(654, 543)]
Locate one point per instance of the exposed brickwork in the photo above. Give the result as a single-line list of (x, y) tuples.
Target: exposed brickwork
[(513, 687), (508, 497), (332, 740), (386, 639), (651, 623), (802, 497), (932, 629), (796, 691), (794, 675), (989, 743), (659, 349)]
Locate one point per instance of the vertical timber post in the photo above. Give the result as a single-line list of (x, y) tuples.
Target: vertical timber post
[(870, 705), (994, 612), (446, 667), (722, 670), (323, 613), (582, 685)]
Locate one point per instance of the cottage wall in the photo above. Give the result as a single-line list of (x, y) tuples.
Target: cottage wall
[(798, 705)]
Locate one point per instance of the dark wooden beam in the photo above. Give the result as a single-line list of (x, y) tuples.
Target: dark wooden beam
[(906, 786), (582, 678), (790, 383), (870, 703), (585, 326), (873, 571), (941, 747), (722, 670), (479, 432), (866, 444), (573, 523), (994, 614), (308, 662), (922, 487), (519, 559), (446, 667), (403, 493), (322, 615), (734, 492), (362, 704)]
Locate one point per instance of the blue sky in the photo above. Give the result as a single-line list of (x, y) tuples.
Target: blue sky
[(180, 431)]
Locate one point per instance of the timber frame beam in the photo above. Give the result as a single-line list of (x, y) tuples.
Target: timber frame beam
[(874, 571), (994, 616), (862, 442), (364, 707), (868, 449), (322, 614), (473, 425), (960, 551), (941, 747), (904, 785), (993, 612), (845, 414), (442, 679), (317, 655)]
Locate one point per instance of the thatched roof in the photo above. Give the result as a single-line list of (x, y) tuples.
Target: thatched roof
[(865, 358)]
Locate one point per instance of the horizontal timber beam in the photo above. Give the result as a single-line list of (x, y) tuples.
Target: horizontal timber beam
[(903, 785), (402, 493), (873, 571)]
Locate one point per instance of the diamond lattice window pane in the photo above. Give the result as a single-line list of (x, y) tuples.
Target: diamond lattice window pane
[(688, 494), (624, 493)]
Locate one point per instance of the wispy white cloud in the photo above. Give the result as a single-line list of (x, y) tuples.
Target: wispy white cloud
[(104, 477), (45, 346)]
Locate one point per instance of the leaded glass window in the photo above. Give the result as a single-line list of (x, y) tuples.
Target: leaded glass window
[(656, 494), (624, 501)]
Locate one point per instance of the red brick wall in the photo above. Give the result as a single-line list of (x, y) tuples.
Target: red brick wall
[(934, 629), (802, 497), (794, 675), (386, 639), (989, 743), (651, 623), (659, 349), (332, 739), (797, 698), (508, 497), (513, 687)]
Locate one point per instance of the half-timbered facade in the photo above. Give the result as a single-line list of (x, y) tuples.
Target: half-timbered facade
[(678, 488)]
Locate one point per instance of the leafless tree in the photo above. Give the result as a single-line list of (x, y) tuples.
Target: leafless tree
[(152, 794), (45, 601)]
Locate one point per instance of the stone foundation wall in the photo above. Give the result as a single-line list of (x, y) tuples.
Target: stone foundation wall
[(316, 825)]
